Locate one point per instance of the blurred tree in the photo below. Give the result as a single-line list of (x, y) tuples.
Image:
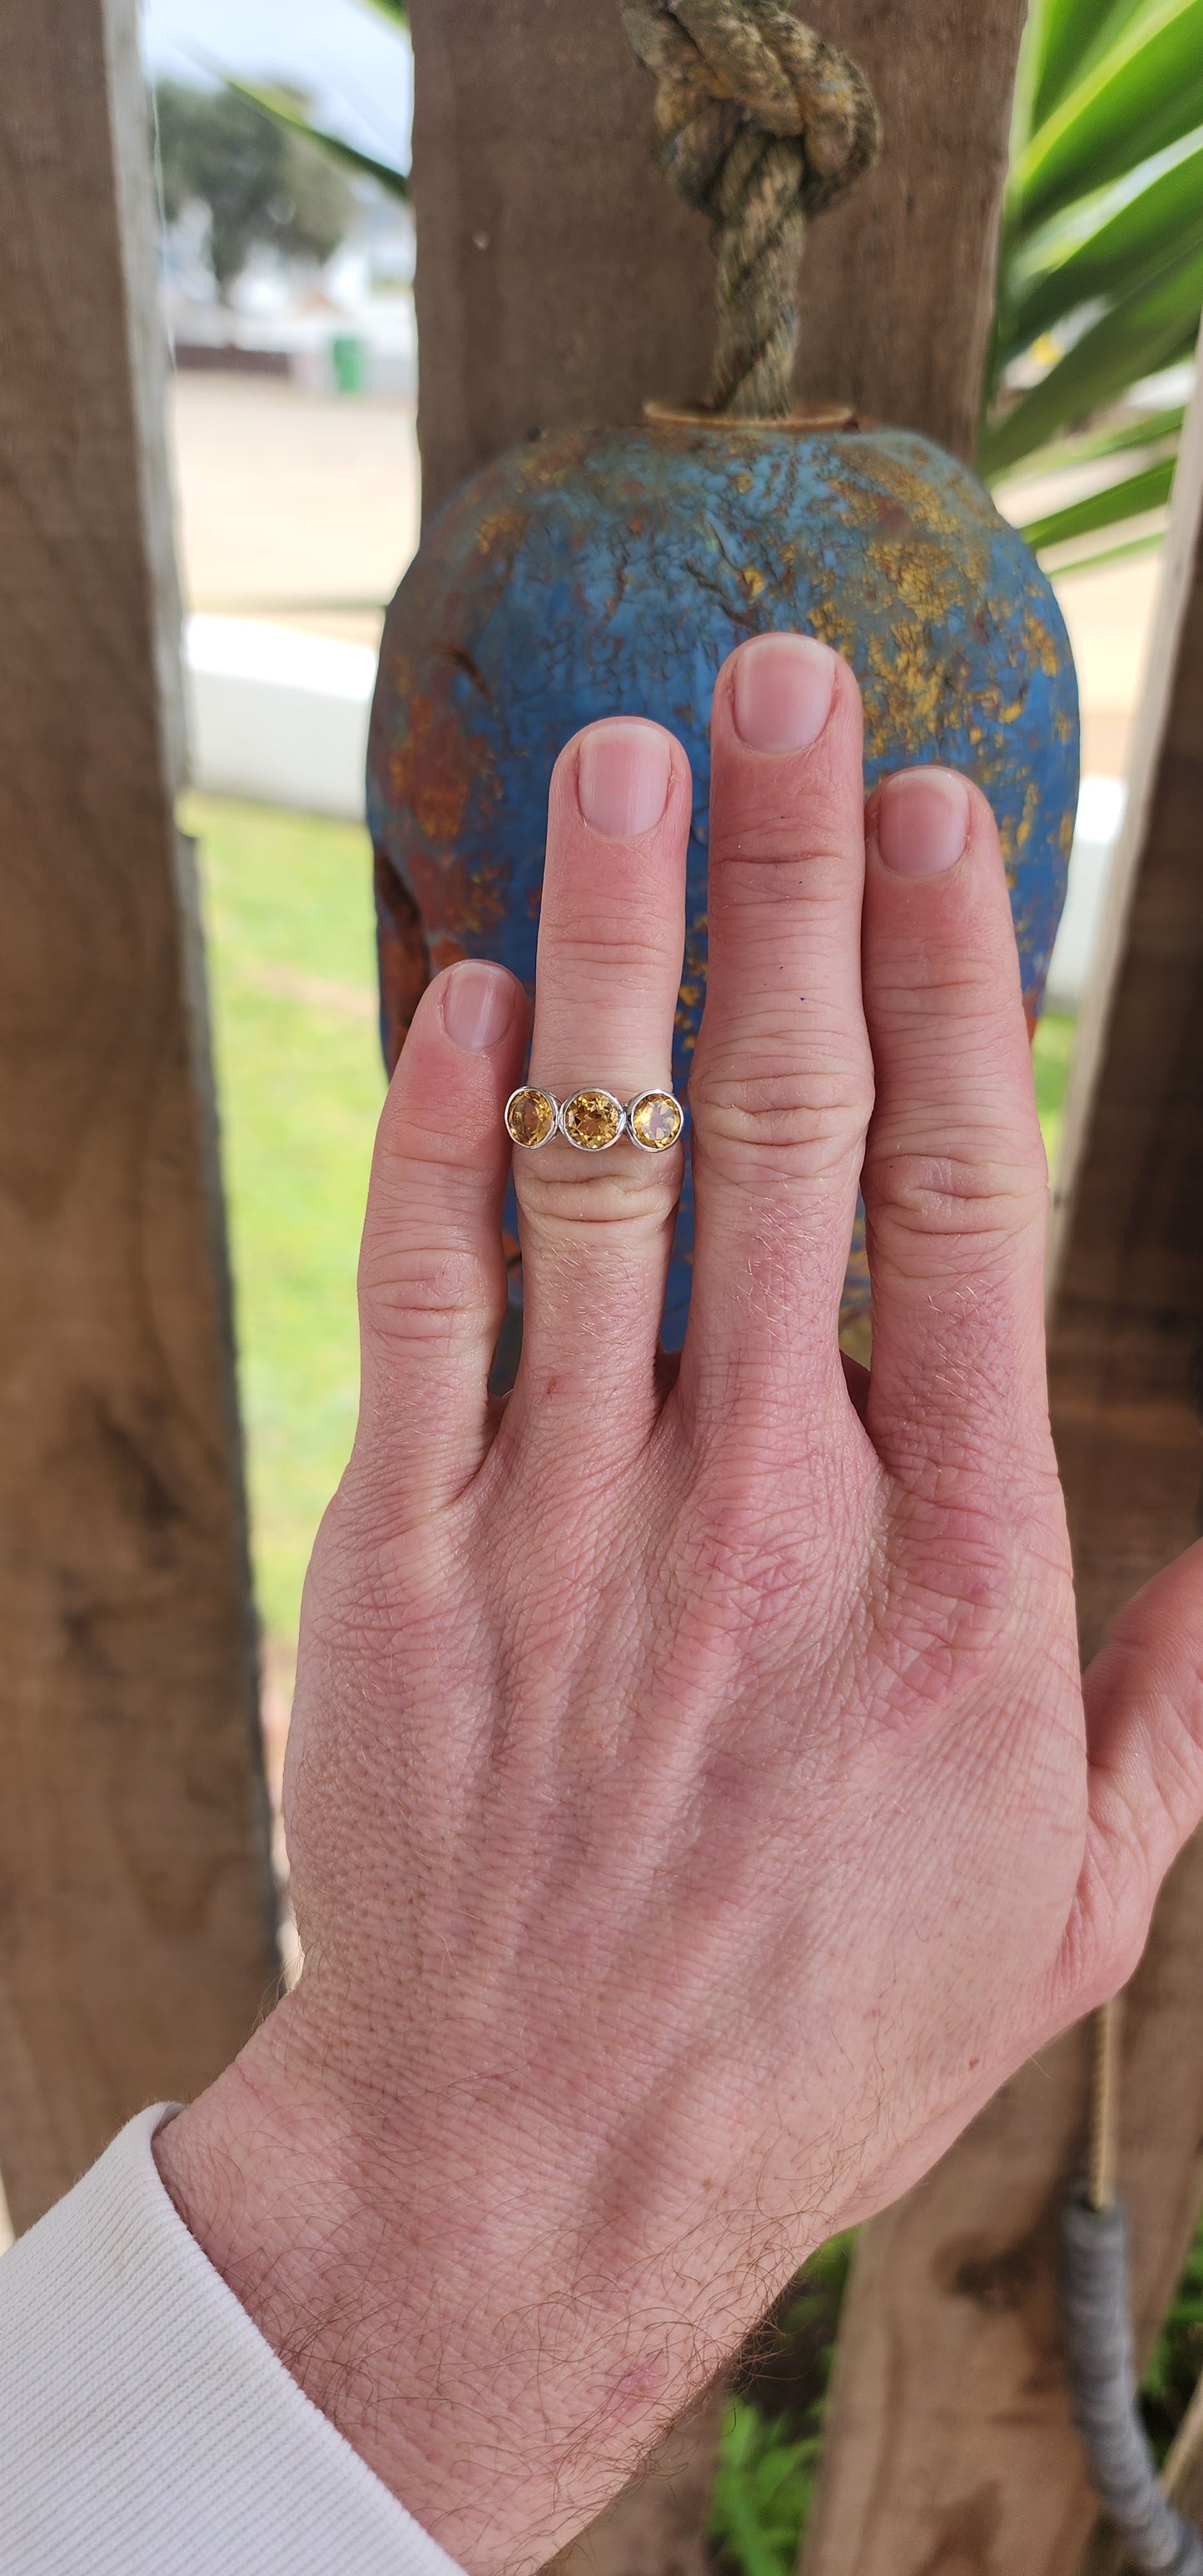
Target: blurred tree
[(283, 105), (260, 178)]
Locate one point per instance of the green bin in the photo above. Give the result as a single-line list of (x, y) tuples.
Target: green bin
[(350, 362)]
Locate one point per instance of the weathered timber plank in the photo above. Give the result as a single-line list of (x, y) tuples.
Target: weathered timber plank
[(898, 284), (949, 2441), (561, 280), (950, 2450), (136, 1941), (1126, 1248), (949, 2302), (559, 277)]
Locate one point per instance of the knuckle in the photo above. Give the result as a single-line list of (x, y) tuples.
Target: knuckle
[(804, 1122), (618, 945), (979, 1190), (639, 1198), (431, 1294), (925, 988), (772, 840), (417, 1156), (1109, 1920)]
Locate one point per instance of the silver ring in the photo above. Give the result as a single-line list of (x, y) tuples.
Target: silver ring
[(593, 1119)]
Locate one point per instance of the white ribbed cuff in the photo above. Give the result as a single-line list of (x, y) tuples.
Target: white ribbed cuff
[(146, 2425)]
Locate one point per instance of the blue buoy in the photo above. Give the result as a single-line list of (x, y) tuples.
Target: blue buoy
[(611, 572)]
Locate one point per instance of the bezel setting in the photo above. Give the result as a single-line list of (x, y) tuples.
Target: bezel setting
[(590, 1098), (532, 1091), (645, 1100), (591, 1104)]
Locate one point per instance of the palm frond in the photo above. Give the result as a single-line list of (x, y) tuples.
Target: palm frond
[(1143, 332), (1144, 92), (1098, 560), (1064, 38), (1150, 430), (1130, 498), (286, 112), (1100, 273), (1103, 245)]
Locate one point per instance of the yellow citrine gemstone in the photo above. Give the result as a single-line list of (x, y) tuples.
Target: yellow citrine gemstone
[(656, 1121), (592, 1120), (530, 1115)]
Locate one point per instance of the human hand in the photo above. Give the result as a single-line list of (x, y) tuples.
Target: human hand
[(693, 1810)]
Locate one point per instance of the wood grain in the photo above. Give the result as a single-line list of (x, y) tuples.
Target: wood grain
[(1126, 1257), (898, 285), (560, 279), (949, 2441), (949, 2444), (136, 1940)]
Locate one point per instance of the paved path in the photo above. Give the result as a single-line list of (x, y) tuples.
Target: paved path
[(304, 509), (300, 508)]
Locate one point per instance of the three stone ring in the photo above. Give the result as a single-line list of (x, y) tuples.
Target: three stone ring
[(593, 1120)]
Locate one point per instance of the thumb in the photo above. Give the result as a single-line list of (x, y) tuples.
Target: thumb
[(1144, 1744)]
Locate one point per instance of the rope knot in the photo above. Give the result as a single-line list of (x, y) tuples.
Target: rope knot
[(760, 124)]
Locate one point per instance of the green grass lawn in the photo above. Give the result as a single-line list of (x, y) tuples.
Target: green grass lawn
[(288, 912), (1050, 1057)]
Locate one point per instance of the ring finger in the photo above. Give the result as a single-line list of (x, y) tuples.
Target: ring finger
[(597, 1224)]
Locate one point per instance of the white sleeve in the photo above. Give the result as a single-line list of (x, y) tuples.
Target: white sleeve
[(146, 2425)]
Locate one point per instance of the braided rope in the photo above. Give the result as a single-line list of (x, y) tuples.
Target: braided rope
[(760, 125), (1099, 2368)]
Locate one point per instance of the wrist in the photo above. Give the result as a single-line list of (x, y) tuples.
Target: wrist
[(422, 2298), (272, 2179)]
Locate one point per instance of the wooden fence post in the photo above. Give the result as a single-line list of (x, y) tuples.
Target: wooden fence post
[(949, 2441), (560, 280), (136, 1933)]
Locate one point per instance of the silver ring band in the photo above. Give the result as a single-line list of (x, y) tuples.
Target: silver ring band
[(592, 1119)]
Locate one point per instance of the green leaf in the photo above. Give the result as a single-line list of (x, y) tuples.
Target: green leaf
[(394, 10), (1065, 37), (1057, 238), (1128, 499), (1144, 93), (1097, 561), (1145, 331), (273, 104), (1150, 431), (1103, 245), (761, 2492)]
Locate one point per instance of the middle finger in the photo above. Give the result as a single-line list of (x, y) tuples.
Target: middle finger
[(782, 1081)]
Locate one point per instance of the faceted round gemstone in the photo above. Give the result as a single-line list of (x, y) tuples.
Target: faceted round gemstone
[(656, 1121), (530, 1115), (592, 1119)]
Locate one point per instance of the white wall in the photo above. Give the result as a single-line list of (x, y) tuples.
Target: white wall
[(283, 717), (278, 715), (1100, 813)]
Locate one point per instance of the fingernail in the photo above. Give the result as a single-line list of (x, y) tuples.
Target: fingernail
[(783, 688), (922, 821), (477, 1003), (622, 774)]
